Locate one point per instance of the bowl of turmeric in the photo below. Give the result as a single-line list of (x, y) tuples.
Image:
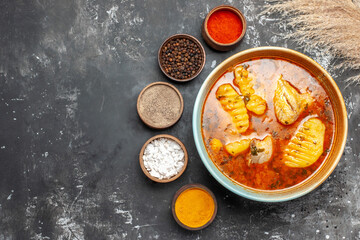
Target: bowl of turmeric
[(194, 207), (223, 28)]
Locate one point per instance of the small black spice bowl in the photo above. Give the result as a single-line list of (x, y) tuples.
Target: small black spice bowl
[(181, 57)]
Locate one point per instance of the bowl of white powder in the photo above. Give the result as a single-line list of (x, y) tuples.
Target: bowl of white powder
[(163, 158)]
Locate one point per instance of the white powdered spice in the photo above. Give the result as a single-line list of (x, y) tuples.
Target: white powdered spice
[(163, 158)]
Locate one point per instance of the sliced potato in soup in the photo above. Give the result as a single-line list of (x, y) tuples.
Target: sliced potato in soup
[(306, 146), (243, 81), (233, 103), (216, 145), (256, 104), (235, 148)]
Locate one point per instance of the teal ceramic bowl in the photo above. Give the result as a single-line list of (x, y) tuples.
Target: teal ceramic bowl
[(341, 125)]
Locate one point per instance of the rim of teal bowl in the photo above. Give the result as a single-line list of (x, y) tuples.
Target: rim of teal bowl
[(214, 171)]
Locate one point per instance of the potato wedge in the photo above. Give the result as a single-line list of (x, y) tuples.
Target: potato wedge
[(306, 146), (234, 104), (216, 145), (235, 148), (243, 81), (256, 104)]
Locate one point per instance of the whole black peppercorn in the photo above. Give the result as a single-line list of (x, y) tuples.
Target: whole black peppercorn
[(181, 58)]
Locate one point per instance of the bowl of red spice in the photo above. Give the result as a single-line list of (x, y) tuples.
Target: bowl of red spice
[(224, 27), (181, 57)]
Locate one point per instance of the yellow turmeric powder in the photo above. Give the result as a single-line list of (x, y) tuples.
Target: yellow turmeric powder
[(194, 207)]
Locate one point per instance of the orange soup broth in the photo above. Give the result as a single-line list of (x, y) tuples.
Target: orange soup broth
[(274, 174)]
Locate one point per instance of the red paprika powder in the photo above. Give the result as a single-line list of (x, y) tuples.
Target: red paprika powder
[(224, 26)]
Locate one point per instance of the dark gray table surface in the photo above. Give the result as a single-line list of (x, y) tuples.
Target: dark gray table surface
[(70, 74)]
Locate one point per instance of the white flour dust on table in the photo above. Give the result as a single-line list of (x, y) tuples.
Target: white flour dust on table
[(163, 158)]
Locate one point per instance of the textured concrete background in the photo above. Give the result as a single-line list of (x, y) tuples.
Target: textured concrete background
[(70, 74)]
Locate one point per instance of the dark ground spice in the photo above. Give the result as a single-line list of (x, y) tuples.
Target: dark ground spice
[(181, 58)]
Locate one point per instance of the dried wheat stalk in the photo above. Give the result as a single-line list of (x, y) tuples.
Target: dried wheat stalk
[(333, 25)]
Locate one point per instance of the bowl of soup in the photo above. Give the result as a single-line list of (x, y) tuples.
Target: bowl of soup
[(270, 124)]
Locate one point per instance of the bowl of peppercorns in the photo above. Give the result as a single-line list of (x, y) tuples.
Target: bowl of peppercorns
[(181, 57)]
